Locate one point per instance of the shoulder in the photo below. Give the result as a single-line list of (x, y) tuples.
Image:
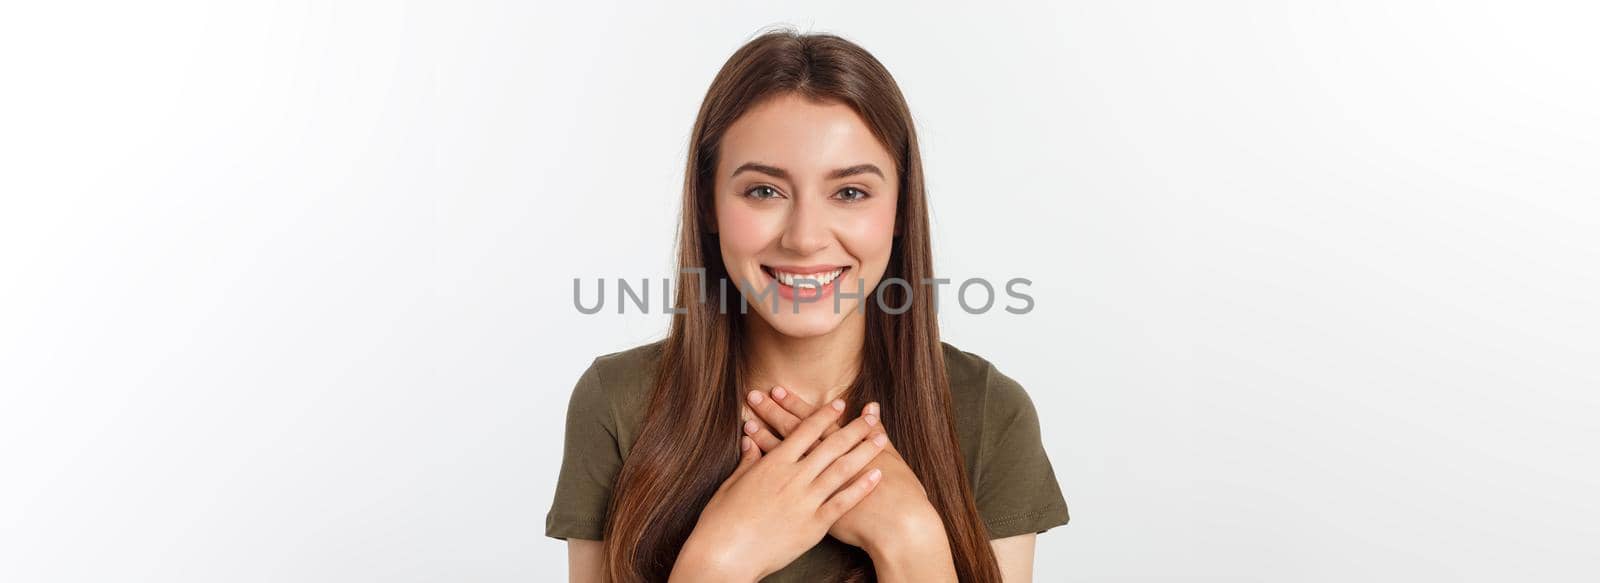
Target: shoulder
[(620, 377), (614, 388), (978, 387), (615, 368), (601, 422), (1013, 483), (987, 405)]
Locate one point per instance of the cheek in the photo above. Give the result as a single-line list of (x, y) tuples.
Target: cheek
[(870, 235), (743, 231)]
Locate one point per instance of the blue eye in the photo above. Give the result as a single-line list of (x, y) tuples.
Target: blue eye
[(761, 192), (847, 195)]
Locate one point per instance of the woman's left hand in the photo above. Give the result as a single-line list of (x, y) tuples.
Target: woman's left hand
[(897, 514)]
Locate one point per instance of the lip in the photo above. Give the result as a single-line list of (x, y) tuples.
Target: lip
[(804, 269), (792, 293)]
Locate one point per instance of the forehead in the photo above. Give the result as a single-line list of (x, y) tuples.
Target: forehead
[(802, 136)]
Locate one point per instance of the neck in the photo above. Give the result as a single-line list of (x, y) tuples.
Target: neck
[(818, 368)]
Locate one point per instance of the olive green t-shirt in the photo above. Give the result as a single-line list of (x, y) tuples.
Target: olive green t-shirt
[(1012, 482)]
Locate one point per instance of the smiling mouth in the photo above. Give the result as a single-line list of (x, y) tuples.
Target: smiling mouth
[(800, 280)]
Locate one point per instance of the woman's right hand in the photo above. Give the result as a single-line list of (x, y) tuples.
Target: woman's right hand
[(774, 507)]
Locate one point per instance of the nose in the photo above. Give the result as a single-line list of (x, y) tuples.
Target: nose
[(807, 230)]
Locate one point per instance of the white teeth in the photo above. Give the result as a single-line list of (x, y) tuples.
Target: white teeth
[(821, 278)]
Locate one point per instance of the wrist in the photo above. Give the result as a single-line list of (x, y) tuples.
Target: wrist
[(701, 561), (923, 560), (915, 537)]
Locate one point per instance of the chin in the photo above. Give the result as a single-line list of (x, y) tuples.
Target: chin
[(801, 325)]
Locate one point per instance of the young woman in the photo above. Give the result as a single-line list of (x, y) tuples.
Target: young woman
[(800, 421)]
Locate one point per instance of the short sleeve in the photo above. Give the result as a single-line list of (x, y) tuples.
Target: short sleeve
[(590, 461), (1016, 491)]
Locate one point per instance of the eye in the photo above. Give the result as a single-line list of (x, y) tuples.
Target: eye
[(852, 194), (762, 192)]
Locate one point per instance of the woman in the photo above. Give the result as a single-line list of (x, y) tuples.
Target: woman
[(792, 426)]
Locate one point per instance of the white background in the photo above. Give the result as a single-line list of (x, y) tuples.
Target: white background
[(285, 288)]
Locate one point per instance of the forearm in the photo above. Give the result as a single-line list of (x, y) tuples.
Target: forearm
[(697, 562), (917, 557)]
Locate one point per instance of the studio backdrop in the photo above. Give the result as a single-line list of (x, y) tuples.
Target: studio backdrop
[(286, 288)]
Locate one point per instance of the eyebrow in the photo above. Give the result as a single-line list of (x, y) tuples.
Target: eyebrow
[(854, 170), (784, 174)]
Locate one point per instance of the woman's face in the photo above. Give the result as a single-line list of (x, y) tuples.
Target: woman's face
[(803, 189)]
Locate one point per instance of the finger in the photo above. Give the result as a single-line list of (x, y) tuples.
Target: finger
[(870, 409), (847, 498), (837, 473), (792, 403), (773, 413), (763, 437), (797, 406), (838, 444), (749, 454), (809, 430)]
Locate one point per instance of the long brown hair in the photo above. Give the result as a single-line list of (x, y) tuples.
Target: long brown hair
[(687, 444)]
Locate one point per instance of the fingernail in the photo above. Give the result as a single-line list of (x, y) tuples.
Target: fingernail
[(872, 408), (779, 393), (871, 419), (751, 427), (755, 397), (744, 443), (880, 439), (838, 404), (874, 475)]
